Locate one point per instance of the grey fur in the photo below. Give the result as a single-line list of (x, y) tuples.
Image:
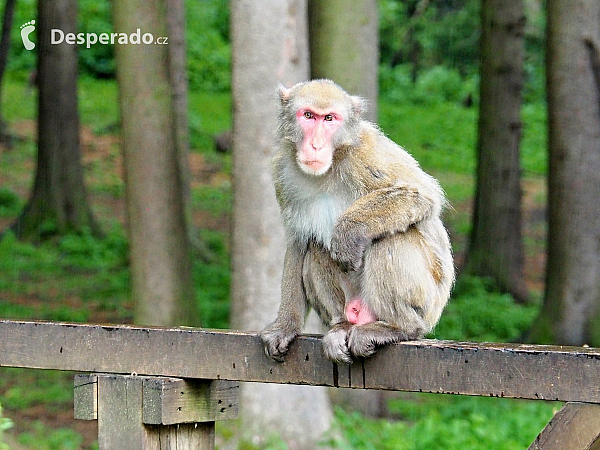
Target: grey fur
[(369, 227)]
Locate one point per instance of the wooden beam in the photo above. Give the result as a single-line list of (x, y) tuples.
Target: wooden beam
[(120, 420), (498, 370), (575, 427), (166, 400), (85, 397), (169, 401)]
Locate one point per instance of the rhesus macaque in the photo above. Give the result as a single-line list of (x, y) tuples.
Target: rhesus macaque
[(366, 247)]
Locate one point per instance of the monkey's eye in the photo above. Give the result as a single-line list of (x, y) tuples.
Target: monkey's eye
[(329, 117), (308, 115)]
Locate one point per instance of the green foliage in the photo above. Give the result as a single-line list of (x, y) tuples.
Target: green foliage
[(213, 199), (440, 136), (92, 269), (445, 32), (209, 52), (5, 424), (95, 17), (210, 114), (534, 154), (10, 203), (212, 280), (42, 437), (207, 40), (434, 85), (478, 312), (431, 421)]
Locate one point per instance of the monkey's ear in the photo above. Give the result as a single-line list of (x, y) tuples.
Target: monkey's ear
[(284, 93), (359, 105)]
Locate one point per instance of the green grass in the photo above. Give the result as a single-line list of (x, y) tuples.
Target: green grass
[(445, 422)]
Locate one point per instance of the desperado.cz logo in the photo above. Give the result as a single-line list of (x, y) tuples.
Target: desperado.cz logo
[(58, 36)]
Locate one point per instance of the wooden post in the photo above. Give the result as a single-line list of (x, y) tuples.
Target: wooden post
[(575, 427), (154, 413)]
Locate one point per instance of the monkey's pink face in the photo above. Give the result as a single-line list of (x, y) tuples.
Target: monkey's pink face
[(315, 152)]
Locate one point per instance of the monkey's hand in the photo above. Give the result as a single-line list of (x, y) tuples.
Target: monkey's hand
[(277, 339), (348, 244)]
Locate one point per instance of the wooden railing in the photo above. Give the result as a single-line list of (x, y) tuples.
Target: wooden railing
[(158, 388)]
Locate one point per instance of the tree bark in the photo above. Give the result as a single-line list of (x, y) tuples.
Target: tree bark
[(269, 45), (351, 59), (496, 248), (7, 22), (162, 286), (344, 46), (571, 310), (58, 203)]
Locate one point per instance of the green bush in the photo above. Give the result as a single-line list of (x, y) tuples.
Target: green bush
[(478, 312), (439, 84), (434, 421), (10, 203), (445, 33), (5, 424), (208, 49), (434, 85)]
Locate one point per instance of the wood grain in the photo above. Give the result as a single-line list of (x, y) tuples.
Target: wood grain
[(497, 370)]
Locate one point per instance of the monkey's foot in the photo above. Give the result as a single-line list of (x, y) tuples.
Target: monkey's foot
[(364, 340), (335, 344), (276, 341)]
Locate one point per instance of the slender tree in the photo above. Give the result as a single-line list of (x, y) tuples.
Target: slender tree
[(160, 261), (7, 22), (344, 46), (269, 46), (58, 203), (352, 61), (495, 248), (571, 309)]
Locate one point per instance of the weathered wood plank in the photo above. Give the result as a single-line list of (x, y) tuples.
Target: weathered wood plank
[(187, 436), (120, 420), (575, 427), (501, 370), (120, 413), (169, 401), (166, 400), (85, 397)]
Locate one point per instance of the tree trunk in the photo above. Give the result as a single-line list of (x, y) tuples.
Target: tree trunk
[(7, 22), (58, 203), (496, 248), (344, 46), (352, 61), (269, 45), (162, 285), (571, 310)]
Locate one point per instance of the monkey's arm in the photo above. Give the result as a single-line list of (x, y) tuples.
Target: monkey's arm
[(292, 311), (385, 211)]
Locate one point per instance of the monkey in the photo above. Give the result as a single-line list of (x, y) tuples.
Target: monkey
[(365, 244)]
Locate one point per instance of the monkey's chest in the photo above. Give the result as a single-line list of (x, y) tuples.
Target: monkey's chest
[(315, 217)]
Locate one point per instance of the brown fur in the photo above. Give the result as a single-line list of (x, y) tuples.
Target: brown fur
[(369, 227)]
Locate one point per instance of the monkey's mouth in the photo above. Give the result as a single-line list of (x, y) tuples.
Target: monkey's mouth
[(314, 166)]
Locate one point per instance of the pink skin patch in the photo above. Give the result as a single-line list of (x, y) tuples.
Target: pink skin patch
[(316, 151), (359, 313)]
